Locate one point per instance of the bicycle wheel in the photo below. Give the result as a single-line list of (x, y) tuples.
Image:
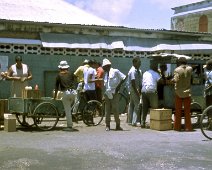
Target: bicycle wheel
[(29, 122), (123, 103), (92, 113), (196, 111), (206, 122), (46, 116)]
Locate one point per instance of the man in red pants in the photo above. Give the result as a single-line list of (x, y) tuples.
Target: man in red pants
[(182, 80)]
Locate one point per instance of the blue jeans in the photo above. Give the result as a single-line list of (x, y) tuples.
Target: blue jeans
[(133, 109), (68, 100)]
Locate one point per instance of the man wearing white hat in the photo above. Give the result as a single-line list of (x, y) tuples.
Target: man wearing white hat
[(113, 79), (65, 81)]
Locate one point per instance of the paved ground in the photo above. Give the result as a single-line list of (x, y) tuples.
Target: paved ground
[(94, 148)]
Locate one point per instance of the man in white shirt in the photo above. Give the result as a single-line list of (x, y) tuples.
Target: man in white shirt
[(149, 91), (89, 81), (113, 79), (134, 81)]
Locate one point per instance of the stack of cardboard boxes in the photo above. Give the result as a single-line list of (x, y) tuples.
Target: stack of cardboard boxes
[(161, 119)]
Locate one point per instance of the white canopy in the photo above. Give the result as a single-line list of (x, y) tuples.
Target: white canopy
[(171, 55)]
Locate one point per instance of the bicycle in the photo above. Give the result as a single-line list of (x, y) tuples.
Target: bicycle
[(206, 122), (91, 112)]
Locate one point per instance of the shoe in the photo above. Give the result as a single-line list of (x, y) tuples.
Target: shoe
[(143, 126), (70, 129), (119, 128), (107, 128), (138, 124)]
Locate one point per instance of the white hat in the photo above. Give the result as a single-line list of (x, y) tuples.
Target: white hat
[(63, 65), (85, 61), (105, 62)]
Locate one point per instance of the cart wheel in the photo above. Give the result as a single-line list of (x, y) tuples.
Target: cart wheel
[(46, 116), (206, 122), (93, 113), (29, 122)]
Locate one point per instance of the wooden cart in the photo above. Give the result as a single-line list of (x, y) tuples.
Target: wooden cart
[(42, 112)]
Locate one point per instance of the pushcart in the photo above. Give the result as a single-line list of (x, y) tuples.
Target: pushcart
[(45, 112), (198, 102)]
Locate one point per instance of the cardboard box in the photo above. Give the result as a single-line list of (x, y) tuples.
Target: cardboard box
[(9, 123), (161, 125), (31, 94), (160, 114)]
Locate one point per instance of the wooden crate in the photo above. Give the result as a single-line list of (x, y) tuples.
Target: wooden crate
[(31, 94), (160, 114), (9, 123), (161, 125)]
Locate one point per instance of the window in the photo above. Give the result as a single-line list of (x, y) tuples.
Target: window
[(203, 24)]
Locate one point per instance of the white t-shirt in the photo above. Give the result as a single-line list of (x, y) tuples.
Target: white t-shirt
[(136, 75), (113, 80), (149, 82), (88, 71)]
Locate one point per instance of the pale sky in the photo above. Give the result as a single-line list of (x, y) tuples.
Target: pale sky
[(144, 14)]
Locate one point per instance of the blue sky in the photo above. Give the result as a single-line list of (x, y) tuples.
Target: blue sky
[(146, 14)]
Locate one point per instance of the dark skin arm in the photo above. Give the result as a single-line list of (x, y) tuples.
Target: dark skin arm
[(137, 91), (10, 77), (119, 85)]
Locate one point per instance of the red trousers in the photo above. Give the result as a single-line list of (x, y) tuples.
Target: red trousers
[(178, 113)]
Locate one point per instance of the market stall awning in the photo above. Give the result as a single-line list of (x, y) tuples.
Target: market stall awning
[(53, 40), (80, 41), (167, 55)]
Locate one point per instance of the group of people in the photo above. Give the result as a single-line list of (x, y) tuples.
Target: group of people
[(147, 90), (91, 78), (101, 81)]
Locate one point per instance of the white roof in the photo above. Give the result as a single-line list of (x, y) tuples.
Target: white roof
[(193, 11), (50, 11)]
